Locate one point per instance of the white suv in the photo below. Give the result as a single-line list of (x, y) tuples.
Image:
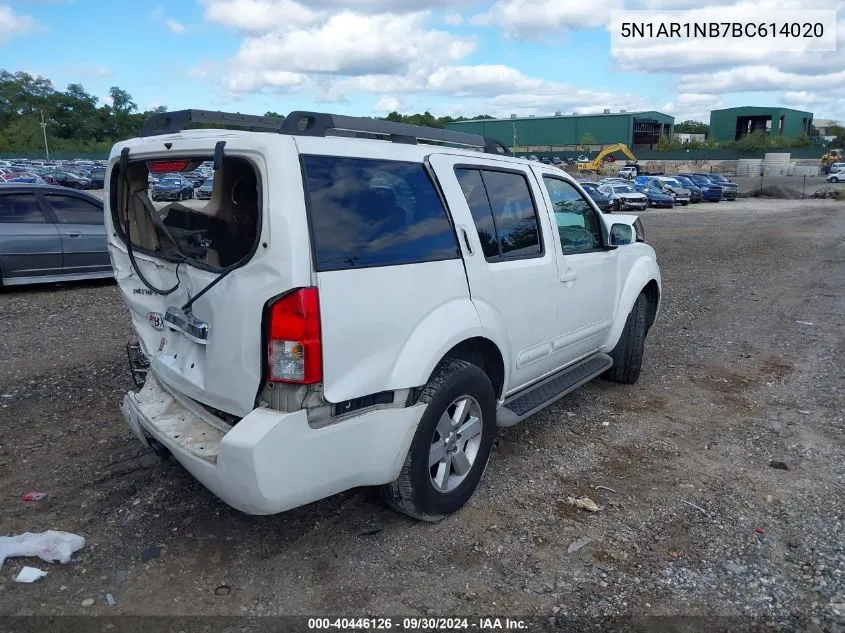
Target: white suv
[(361, 302)]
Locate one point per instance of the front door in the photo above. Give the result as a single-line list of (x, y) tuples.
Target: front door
[(81, 225), (588, 283), (510, 258)]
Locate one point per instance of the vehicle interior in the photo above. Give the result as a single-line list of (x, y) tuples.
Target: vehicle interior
[(216, 233)]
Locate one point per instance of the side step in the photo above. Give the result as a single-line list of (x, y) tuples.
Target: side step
[(525, 403)]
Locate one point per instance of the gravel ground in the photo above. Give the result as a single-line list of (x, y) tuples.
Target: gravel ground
[(744, 366)]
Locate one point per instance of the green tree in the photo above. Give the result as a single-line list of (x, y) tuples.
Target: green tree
[(692, 127)]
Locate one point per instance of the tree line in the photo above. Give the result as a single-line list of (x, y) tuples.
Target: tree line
[(76, 122)]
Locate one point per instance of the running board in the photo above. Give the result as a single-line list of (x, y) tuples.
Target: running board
[(523, 404)]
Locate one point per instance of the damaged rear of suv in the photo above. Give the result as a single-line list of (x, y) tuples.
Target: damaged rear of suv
[(360, 303)]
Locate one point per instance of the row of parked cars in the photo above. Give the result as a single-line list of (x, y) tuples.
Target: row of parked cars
[(621, 194), (72, 174)]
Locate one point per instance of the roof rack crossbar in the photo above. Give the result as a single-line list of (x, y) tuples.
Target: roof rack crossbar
[(176, 121), (305, 123)]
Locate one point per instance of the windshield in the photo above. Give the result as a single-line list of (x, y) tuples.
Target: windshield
[(672, 182), (170, 182), (623, 189)]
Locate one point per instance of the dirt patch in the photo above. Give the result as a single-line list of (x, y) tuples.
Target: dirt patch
[(696, 522)]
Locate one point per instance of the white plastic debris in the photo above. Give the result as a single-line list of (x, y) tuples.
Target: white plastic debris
[(30, 574), (584, 503), (51, 546)]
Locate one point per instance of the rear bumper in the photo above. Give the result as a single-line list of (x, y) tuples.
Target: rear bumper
[(271, 461)]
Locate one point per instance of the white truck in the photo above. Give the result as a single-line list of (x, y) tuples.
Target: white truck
[(361, 303)]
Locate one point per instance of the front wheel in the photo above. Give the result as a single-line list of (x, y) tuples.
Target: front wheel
[(628, 353), (834, 179), (452, 444)]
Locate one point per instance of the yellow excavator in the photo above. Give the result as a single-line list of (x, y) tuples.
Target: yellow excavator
[(832, 156), (598, 162)]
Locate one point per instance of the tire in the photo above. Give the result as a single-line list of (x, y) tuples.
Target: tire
[(628, 353), (834, 179), (416, 492)]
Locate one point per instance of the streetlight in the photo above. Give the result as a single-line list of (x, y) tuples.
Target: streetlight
[(44, 130)]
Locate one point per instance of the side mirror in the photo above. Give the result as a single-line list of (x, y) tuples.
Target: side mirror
[(621, 234)]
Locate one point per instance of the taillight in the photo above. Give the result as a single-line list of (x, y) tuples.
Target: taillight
[(294, 349)]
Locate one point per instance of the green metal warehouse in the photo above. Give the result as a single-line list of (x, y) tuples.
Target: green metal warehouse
[(731, 124), (637, 130)]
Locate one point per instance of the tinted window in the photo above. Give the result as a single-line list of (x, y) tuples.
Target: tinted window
[(577, 223), (374, 213), (20, 208), (70, 210), (504, 213)]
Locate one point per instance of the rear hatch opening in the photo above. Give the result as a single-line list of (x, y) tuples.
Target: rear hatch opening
[(168, 220)]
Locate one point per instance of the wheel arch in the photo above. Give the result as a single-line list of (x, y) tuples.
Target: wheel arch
[(644, 278)]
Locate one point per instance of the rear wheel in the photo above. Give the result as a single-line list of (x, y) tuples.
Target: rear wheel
[(628, 353), (452, 444)]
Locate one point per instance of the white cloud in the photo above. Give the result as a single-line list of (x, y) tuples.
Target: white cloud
[(760, 79), (454, 19), (14, 24), (389, 104), (259, 16), (693, 106), (528, 19), (348, 44), (174, 26)]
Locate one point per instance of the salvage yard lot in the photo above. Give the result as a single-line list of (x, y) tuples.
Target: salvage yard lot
[(744, 366)]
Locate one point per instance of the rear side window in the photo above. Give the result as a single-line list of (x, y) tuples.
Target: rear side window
[(368, 212), (71, 210), (503, 209), (20, 208)]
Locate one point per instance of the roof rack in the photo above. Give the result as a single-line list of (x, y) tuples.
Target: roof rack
[(304, 123)]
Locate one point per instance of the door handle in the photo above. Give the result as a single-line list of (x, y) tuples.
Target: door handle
[(466, 240), (568, 276), (73, 234)]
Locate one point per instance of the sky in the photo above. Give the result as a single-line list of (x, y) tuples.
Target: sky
[(370, 57)]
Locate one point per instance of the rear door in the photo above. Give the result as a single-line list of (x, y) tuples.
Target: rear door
[(511, 263), (29, 243), (81, 226)]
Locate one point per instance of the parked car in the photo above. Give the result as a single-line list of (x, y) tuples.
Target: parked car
[(667, 185), (98, 177), (172, 188), (628, 172), (583, 158), (66, 179), (602, 200), (546, 160), (656, 197), (533, 157), (196, 177), (203, 192), (50, 233), (730, 190), (836, 177), (311, 369), (694, 189), (556, 160), (23, 178), (836, 168), (570, 161), (710, 191), (625, 196)]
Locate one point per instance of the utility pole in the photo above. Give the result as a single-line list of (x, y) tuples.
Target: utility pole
[(44, 130)]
